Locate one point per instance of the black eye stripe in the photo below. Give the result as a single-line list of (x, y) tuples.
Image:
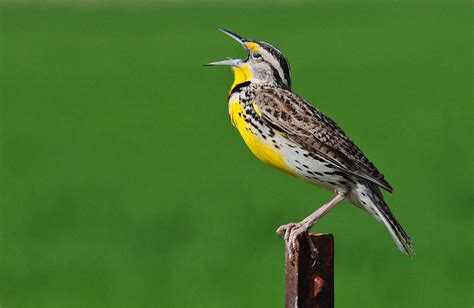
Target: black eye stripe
[(276, 75)]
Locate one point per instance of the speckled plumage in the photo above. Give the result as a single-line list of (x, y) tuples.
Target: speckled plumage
[(301, 158), (285, 131)]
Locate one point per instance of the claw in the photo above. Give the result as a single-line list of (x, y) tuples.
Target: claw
[(287, 234), (280, 231), (292, 232)]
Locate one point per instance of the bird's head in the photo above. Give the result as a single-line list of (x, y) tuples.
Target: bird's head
[(265, 65)]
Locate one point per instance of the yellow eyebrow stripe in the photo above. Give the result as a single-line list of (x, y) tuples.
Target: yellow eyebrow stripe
[(252, 46)]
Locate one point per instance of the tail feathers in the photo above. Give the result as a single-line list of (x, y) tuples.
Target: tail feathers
[(403, 241), (375, 204)]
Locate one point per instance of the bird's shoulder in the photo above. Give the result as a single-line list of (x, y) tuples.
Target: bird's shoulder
[(313, 130)]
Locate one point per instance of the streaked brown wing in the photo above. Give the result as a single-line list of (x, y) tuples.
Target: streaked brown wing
[(315, 132)]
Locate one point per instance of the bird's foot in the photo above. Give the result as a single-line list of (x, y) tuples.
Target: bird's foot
[(290, 233)]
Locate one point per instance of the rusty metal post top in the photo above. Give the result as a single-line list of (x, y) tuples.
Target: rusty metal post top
[(310, 283)]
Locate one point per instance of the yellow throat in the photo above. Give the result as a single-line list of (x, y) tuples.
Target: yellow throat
[(241, 74), (259, 147)]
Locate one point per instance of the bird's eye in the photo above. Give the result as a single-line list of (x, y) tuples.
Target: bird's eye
[(257, 56)]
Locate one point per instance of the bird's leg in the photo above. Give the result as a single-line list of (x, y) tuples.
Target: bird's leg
[(292, 231)]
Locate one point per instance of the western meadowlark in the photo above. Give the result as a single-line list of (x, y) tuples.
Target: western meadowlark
[(286, 132)]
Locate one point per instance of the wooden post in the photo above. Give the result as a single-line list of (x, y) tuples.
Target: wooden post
[(307, 285)]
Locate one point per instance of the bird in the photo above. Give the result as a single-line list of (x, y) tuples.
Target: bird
[(287, 132)]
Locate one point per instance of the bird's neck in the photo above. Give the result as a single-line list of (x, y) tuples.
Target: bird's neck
[(242, 76)]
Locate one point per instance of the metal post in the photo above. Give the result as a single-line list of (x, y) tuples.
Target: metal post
[(308, 285)]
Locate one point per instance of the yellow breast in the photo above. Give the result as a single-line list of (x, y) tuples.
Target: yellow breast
[(264, 151)]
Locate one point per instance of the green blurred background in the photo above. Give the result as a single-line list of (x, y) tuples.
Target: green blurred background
[(123, 183)]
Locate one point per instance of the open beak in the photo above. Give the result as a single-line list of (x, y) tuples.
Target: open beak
[(236, 37), (231, 62)]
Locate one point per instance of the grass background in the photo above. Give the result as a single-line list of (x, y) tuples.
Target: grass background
[(122, 182)]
